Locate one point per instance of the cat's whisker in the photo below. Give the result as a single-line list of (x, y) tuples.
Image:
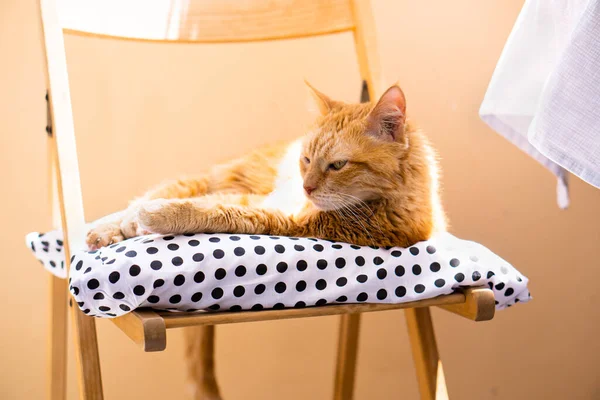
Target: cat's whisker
[(343, 217), (359, 214), (352, 216), (349, 201), (360, 222), (374, 223), (360, 210), (359, 202), (348, 219)]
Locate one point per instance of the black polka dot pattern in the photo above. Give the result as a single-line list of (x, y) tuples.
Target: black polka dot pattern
[(224, 272)]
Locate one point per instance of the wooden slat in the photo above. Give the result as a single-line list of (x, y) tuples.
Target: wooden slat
[(365, 43), (84, 327), (345, 371), (57, 346), (430, 374), (136, 324), (178, 320), (205, 21), (52, 172), (479, 305), (62, 124), (57, 323), (145, 327), (69, 191), (86, 354)]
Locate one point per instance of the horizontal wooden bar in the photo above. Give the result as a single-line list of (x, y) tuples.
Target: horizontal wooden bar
[(205, 21), (147, 327), (179, 320)]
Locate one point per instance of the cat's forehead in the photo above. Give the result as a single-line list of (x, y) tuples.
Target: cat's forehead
[(341, 121), (324, 143), (336, 132), (343, 117)]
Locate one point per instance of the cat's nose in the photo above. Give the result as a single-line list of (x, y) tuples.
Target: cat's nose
[(309, 189)]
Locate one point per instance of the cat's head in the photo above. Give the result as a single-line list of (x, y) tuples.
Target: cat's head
[(353, 152)]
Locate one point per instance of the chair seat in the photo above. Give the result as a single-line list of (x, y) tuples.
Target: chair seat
[(224, 272)]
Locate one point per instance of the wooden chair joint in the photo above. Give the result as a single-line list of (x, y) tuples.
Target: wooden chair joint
[(145, 327), (479, 304)]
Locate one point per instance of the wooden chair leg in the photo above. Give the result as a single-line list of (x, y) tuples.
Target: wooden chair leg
[(86, 353), (346, 357), (200, 356), (57, 357), (430, 373)]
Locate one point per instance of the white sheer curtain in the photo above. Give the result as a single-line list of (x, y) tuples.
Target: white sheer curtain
[(544, 95)]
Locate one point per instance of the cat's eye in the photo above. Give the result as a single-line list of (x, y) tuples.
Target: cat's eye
[(306, 160), (338, 165)]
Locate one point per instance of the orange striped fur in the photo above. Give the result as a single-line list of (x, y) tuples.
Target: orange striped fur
[(385, 193)]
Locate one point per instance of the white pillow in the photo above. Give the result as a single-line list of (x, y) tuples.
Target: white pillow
[(251, 272)]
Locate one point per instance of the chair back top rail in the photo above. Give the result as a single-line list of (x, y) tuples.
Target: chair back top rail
[(205, 21)]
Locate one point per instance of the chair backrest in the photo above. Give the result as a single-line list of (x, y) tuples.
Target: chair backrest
[(206, 21), (191, 21)]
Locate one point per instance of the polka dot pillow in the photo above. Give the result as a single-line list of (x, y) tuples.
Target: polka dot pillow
[(246, 272)]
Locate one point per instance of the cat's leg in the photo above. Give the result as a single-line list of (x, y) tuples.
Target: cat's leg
[(125, 225), (244, 214), (179, 189), (200, 358), (237, 214), (252, 173)]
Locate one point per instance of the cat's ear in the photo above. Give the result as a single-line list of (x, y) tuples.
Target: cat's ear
[(386, 120), (324, 103)]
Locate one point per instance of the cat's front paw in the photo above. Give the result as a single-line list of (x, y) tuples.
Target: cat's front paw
[(161, 216), (130, 226), (104, 235)]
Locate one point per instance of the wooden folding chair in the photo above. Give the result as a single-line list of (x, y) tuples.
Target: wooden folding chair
[(195, 22)]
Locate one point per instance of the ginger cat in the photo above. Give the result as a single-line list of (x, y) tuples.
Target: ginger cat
[(362, 175)]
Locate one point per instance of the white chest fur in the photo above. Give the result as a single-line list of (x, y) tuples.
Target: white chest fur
[(288, 195)]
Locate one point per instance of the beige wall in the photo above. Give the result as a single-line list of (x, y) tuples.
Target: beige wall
[(145, 112)]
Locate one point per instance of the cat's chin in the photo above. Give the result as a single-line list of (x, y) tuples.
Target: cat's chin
[(322, 206)]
